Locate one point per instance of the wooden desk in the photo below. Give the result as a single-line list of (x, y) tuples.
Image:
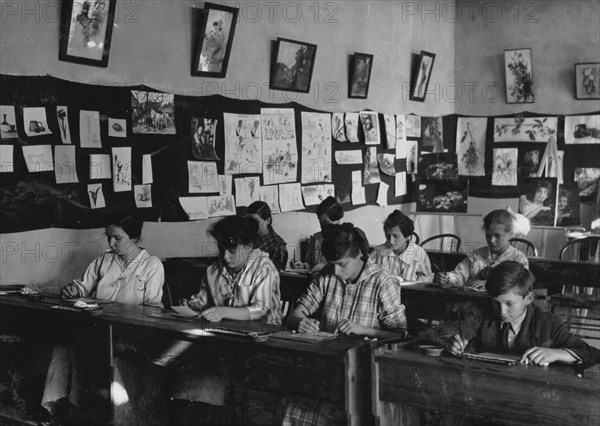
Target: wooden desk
[(520, 394), (335, 371)]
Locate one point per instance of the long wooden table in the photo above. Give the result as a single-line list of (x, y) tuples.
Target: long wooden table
[(406, 380), (335, 371)]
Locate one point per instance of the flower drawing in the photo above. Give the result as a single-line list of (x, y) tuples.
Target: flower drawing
[(521, 87)]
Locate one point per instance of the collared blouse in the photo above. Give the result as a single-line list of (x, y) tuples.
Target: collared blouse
[(412, 264)]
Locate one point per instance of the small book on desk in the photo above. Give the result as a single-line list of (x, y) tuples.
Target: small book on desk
[(493, 357)]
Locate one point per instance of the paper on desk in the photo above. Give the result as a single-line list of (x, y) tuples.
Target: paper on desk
[(185, 311)]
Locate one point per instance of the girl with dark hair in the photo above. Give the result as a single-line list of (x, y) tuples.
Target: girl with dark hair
[(399, 255), (268, 240), (243, 284), (536, 206)]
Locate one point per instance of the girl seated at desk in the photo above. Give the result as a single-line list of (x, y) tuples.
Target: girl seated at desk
[(126, 273), (473, 270), (399, 255), (268, 240)]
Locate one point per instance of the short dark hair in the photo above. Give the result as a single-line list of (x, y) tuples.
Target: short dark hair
[(260, 208), (500, 216), (509, 276), (399, 219), (330, 208), (130, 223), (234, 230), (339, 240)]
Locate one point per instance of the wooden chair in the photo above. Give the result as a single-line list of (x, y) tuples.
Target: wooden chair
[(167, 298), (525, 246), (287, 300), (414, 237), (447, 242)]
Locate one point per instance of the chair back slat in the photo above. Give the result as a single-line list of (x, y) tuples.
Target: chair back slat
[(525, 246), (442, 242)]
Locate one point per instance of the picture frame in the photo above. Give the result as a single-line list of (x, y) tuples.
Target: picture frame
[(86, 31), (420, 82), (518, 70), (215, 29), (292, 65), (360, 75), (587, 80)]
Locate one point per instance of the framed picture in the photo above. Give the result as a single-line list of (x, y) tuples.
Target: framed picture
[(292, 65), (86, 31), (360, 75), (215, 27), (423, 75), (519, 76), (587, 80)]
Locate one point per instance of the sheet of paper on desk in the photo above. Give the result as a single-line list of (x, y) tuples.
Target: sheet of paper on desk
[(408, 282), (318, 336), (185, 311)]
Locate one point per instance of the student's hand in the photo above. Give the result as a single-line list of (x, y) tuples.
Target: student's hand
[(543, 356), (308, 325), (348, 327), (544, 208), (193, 303), (441, 279), (456, 345), (213, 314), (69, 291)]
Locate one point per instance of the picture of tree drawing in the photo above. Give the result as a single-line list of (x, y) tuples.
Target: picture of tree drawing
[(519, 82)]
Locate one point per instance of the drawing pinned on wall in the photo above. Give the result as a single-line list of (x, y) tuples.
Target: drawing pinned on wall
[(348, 157), (587, 80), (371, 171), (89, 129), (8, 125), (400, 135), (412, 157), (203, 177), (386, 163), (243, 144), (225, 184), (121, 165), (370, 125), (358, 190), (432, 131), (96, 196), (203, 138), (582, 129), (270, 195), (117, 127), (152, 112), (100, 166), (290, 197), (143, 196), (65, 167), (528, 160), (537, 200), (7, 159), (567, 207), (443, 196), (554, 165), (147, 175), (62, 115), (525, 129), (519, 76), (280, 153), (316, 147), (38, 158), (470, 146), (221, 205), (310, 195), (246, 190), (588, 181), (413, 126), (196, 208), (35, 122), (390, 130), (351, 124), (441, 166), (505, 167), (382, 194), (337, 127), (401, 184)]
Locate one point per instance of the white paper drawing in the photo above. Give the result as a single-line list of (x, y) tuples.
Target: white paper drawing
[(280, 154), (401, 184), (203, 177), (96, 196), (221, 205), (246, 190), (412, 157), (38, 158), (270, 195), (225, 185), (371, 171), (351, 124), (386, 163), (370, 126), (358, 190), (505, 167), (7, 159), (316, 147), (89, 129), (8, 123), (100, 166), (310, 194), (117, 127), (337, 127), (413, 126), (62, 115), (348, 157), (390, 130), (147, 175), (400, 134), (327, 190), (65, 168), (290, 197), (243, 144), (582, 129), (382, 194), (470, 145), (143, 196), (525, 129), (196, 208), (121, 165), (35, 122)]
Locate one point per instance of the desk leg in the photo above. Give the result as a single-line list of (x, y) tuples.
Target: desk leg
[(357, 384)]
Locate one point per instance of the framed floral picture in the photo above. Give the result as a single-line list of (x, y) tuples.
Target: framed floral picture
[(519, 76), (213, 40), (420, 81), (86, 31), (292, 65), (587, 80), (360, 75)]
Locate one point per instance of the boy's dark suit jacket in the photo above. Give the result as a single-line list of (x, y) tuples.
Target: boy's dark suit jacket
[(542, 329)]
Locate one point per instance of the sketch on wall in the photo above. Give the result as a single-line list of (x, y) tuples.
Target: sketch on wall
[(203, 138), (280, 153), (582, 129), (152, 112), (121, 165), (525, 129), (470, 145), (243, 144), (316, 147), (202, 177), (505, 167)]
